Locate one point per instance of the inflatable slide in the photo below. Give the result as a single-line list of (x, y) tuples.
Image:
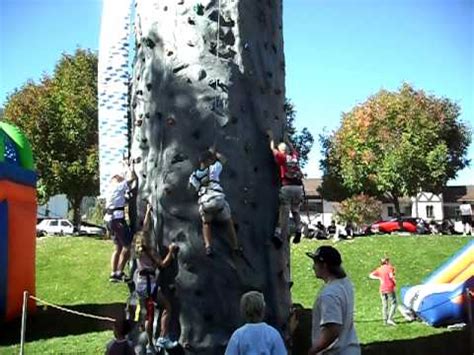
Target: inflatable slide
[(17, 221), (441, 299)]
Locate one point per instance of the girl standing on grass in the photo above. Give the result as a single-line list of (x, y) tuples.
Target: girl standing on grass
[(385, 273)]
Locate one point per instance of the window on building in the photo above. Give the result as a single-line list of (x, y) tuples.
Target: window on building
[(390, 211), (429, 211), (407, 211)]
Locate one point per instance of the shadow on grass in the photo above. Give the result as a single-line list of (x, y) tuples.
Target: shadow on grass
[(450, 342), (50, 322)]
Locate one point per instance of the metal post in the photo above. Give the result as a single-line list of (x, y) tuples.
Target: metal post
[(23, 322)]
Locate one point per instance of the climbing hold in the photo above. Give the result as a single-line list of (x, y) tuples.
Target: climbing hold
[(191, 21), (149, 43), (179, 68), (213, 83), (199, 9), (147, 115), (148, 86), (196, 134), (190, 43), (170, 121), (180, 2), (137, 160), (165, 8), (202, 74), (178, 158), (169, 53), (138, 123), (276, 118), (247, 46)]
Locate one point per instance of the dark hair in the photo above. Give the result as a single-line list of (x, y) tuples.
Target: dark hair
[(205, 156), (336, 270), (122, 327)]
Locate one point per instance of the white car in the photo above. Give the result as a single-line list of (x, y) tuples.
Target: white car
[(54, 227)]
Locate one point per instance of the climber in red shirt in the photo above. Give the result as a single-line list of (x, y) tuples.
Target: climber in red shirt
[(291, 189)]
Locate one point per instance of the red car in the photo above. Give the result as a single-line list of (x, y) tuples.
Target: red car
[(410, 224)]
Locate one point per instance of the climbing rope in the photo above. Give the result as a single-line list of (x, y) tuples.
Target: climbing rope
[(217, 63)]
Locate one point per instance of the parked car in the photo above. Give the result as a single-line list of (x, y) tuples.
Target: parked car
[(410, 224), (54, 227), (65, 227), (87, 228)]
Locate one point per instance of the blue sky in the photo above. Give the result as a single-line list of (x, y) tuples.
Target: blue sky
[(338, 52)]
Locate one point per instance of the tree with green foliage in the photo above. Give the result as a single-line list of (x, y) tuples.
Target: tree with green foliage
[(59, 116), (396, 144), (301, 141), (359, 209)]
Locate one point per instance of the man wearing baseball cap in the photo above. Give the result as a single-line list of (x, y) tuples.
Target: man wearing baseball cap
[(333, 329)]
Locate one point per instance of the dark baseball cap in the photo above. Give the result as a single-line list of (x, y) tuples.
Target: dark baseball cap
[(326, 254)]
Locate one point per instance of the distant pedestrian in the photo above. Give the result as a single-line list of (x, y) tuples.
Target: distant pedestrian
[(466, 217), (385, 273), (333, 329), (256, 336)]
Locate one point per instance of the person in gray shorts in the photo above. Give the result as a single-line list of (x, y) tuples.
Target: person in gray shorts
[(212, 203)]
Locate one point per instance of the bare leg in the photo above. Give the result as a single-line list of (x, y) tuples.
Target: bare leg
[(150, 314), (124, 255), (114, 260), (206, 234), (165, 315)]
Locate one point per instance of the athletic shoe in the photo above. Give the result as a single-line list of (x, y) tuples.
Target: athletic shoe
[(209, 251), (165, 342), (114, 278), (276, 239), (391, 322), (297, 237)]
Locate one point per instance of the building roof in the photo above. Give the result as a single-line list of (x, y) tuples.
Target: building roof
[(311, 187), (453, 194), (458, 193)]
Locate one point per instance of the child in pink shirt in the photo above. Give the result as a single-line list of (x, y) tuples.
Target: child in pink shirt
[(385, 273)]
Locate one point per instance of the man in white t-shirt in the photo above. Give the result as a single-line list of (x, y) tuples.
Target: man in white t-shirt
[(115, 201), (466, 217), (333, 329)]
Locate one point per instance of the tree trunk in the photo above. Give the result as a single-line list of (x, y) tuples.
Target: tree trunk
[(398, 213), (76, 210), (190, 92)]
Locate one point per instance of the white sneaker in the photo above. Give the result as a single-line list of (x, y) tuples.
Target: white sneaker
[(165, 342), (391, 322), (150, 349)]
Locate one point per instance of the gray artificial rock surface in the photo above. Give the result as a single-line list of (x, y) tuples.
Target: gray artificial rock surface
[(189, 93)]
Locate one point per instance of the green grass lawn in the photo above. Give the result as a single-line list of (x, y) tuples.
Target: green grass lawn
[(74, 271), (414, 258)]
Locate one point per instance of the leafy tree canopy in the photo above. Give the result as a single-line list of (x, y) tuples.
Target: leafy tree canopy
[(59, 116), (359, 209), (302, 141), (396, 144)]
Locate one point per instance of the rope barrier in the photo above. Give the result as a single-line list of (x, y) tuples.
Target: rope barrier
[(71, 311)]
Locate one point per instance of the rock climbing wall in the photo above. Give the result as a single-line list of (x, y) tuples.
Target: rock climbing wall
[(192, 90)]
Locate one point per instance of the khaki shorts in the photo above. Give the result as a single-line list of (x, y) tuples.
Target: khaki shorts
[(220, 216)]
